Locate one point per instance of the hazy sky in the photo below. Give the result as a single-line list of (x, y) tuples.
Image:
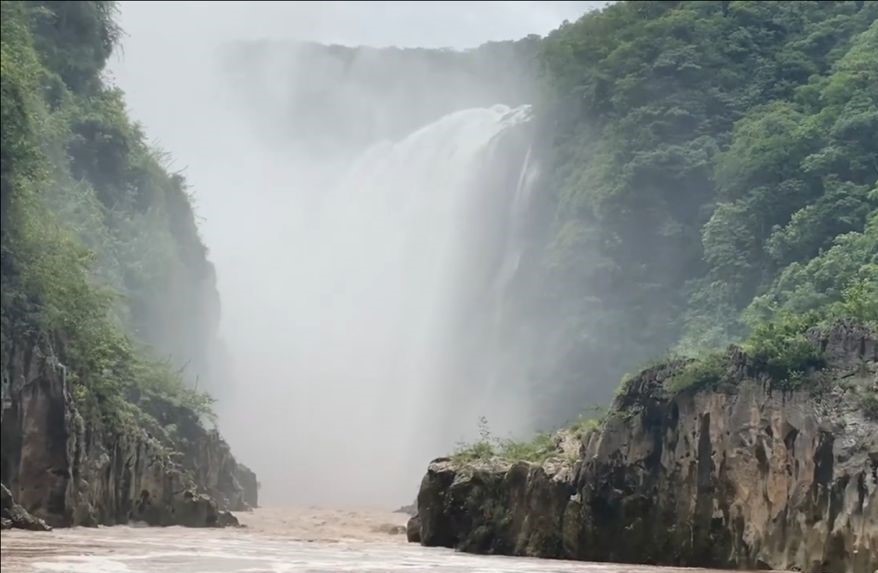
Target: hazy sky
[(421, 24), (168, 47), (168, 60), (169, 68)]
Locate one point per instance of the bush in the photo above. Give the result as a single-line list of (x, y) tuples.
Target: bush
[(782, 350), (706, 371), (536, 450), (480, 450), (860, 299)]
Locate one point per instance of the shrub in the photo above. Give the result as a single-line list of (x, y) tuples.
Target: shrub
[(782, 350), (480, 450), (860, 299), (705, 371), (537, 450)]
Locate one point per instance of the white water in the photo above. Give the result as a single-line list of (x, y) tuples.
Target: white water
[(364, 307), (512, 254)]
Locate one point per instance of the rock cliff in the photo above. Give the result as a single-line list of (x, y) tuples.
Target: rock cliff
[(108, 300), (740, 475), (13, 515), (71, 467)]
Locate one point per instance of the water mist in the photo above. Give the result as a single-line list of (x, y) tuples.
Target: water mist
[(369, 326)]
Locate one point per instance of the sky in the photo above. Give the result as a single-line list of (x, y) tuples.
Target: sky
[(169, 68), (403, 24)]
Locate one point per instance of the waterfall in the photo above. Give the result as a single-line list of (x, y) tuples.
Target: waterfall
[(385, 363), (395, 247), (514, 243), (512, 253)]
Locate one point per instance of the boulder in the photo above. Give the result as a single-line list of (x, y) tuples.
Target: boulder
[(15, 516), (413, 529)]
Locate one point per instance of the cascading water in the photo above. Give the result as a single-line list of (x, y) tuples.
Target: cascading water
[(512, 253), (386, 327), (395, 246)]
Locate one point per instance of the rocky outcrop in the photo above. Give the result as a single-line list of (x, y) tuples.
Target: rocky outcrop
[(250, 487), (413, 529), (743, 475), (67, 465), (13, 515), (409, 510), (207, 457)]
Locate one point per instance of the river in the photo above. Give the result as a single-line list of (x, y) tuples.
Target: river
[(288, 540)]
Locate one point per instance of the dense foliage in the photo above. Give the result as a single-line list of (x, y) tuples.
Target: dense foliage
[(712, 165), (103, 268)]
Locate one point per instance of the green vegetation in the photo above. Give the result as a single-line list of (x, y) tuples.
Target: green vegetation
[(707, 371), (543, 446), (711, 168), (103, 269), (780, 347), (537, 450), (710, 177)]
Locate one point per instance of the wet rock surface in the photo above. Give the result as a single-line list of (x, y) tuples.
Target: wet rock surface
[(743, 476), (413, 529)]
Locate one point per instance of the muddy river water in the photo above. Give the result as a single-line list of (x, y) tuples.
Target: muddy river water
[(276, 540)]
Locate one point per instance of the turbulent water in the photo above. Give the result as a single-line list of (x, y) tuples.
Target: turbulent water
[(275, 541), (367, 319), (394, 267)]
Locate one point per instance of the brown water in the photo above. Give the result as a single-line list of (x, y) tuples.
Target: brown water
[(292, 540)]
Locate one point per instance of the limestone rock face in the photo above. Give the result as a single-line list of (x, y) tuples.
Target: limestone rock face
[(208, 459), (738, 476), (13, 515), (69, 468)]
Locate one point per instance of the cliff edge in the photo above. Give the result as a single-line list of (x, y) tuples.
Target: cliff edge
[(741, 474), (68, 467)]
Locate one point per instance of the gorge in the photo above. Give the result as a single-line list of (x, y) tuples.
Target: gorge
[(666, 209)]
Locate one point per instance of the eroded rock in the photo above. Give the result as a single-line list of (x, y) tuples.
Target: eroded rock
[(13, 515), (69, 468), (413, 529), (409, 510), (740, 476)]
